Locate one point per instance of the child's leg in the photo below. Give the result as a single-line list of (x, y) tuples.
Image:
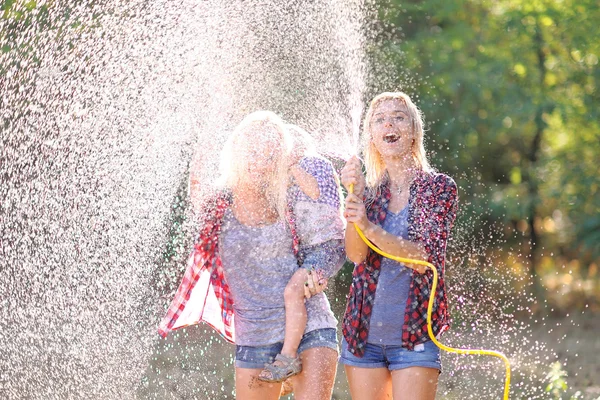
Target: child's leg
[(295, 313), (287, 363)]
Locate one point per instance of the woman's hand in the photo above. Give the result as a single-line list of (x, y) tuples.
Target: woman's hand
[(315, 283), (355, 212), (352, 175)]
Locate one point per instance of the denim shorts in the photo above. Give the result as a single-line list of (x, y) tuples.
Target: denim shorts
[(394, 357), (256, 357)]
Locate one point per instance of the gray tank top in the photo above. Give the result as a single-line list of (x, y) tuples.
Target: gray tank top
[(387, 316), (258, 263)]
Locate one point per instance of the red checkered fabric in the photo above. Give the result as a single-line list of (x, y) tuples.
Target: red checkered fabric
[(432, 211), (203, 294)]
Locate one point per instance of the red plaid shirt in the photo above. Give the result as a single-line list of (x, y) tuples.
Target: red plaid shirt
[(203, 294), (432, 209)]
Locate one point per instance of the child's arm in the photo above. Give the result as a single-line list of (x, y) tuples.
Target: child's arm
[(307, 183)]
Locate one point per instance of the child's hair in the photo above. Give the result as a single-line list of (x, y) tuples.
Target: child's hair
[(373, 161), (304, 143), (236, 155)]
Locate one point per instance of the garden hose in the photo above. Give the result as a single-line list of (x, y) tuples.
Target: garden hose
[(430, 309)]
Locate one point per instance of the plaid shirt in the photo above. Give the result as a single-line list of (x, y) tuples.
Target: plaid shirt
[(432, 210), (203, 294), (329, 189)]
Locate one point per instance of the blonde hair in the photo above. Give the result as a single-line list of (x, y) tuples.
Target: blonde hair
[(303, 141), (236, 157), (374, 163)]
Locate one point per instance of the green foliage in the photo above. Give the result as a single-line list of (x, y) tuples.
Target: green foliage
[(27, 25), (557, 384), (557, 380), (510, 93)]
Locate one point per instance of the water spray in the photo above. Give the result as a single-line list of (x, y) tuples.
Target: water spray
[(430, 309)]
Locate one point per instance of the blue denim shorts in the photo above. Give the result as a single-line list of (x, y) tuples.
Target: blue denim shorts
[(394, 357), (256, 357)]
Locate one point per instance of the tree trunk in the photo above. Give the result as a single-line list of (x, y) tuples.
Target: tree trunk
[(533, 190)]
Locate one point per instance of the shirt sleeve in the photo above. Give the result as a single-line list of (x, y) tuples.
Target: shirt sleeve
[(328, 257), (441, 216), (327, 180)]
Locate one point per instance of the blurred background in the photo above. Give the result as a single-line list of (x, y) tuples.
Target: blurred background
[(107, 109)]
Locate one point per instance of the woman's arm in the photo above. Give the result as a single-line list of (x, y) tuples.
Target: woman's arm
[(397, 246), (356, 248), (353, 178)]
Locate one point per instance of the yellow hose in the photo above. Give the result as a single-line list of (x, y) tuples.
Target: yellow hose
[(430, 309)]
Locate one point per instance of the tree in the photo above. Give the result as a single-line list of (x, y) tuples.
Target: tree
[(509, 89)]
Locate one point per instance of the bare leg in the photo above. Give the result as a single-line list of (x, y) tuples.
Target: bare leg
[(248, 387), (295, 324), (316, 380), (415, 383), (369, 383), (295, 313)]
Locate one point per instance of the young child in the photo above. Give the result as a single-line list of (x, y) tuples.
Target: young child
[(317, 212)]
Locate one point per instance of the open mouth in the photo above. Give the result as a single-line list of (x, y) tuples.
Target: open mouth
[(391, 138)]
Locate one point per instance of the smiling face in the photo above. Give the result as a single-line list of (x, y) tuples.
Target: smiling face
[(391, 129)]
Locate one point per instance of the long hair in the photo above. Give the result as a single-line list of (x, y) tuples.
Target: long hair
[(373, 161), (236, 155), (302, 140)]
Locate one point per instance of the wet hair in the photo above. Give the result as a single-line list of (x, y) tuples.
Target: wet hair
[(373, 161), (303, 141), (236, 155)]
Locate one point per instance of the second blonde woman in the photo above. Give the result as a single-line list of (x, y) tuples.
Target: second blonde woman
[(246, 253), (406, 209)]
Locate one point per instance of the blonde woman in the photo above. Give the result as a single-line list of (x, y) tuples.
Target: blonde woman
[(406, 209), (245, 255)]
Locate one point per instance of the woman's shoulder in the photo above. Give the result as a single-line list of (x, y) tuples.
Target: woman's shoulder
[(437, 180), (218, 197), (214, 204)]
